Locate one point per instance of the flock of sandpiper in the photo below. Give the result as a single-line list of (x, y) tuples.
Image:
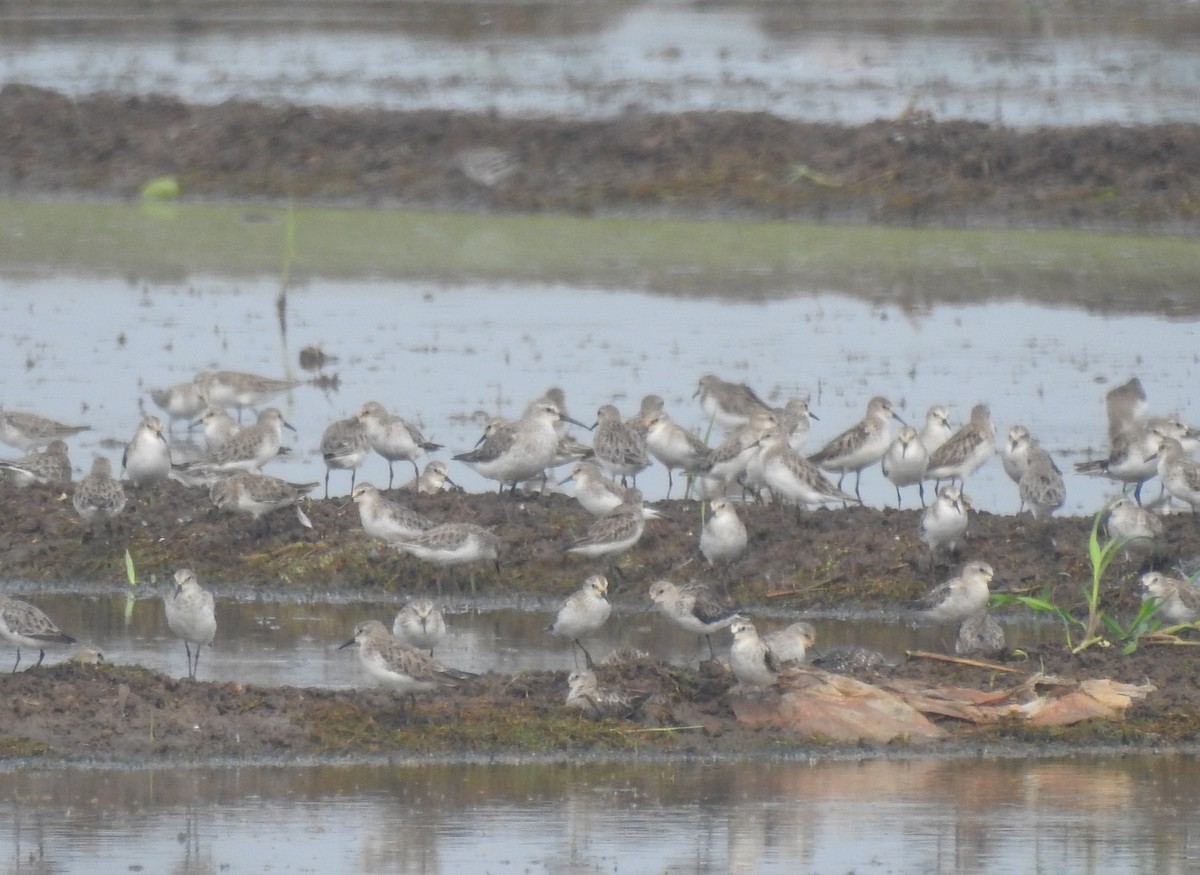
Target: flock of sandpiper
[(762, 458)]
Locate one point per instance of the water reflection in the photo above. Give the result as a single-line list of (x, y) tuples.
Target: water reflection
[(1127, 816), (295, 644)]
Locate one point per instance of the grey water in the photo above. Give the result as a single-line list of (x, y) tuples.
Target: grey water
[(1015, 64), (297, 643), (1124, 815), (447, 355)]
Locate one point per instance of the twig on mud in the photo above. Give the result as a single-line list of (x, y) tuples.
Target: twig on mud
[(660, 729), (959, 660), (784, 593)]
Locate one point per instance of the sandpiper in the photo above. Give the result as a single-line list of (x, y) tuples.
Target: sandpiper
[(399, 666), (29, 431), (723, 538), (584, 611), (753, 662), (344, 447), (147, 457), (191, 615), (26, 626), (863, 444), (966, 449), (962, 596), (394, 438), (420, 624), (51, 465), (693, 608)]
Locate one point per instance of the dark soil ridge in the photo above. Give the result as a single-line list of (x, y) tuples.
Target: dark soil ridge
[(822, 560), (908, 170)]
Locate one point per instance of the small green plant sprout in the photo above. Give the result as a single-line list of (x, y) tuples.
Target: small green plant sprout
[(1144, 623), (1100, 556), (161, 188), (1099, 627), (131, 576), (1042, 604)]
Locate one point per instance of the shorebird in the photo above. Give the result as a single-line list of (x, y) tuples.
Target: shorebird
[(452, 544), (905, 461), (617, 531), (1132, 452), (960, 597), (936, 430), (791, 643), (181, 401), (248, 450), (51, 465), (730, 404), (584, 611), (258, 494), (1140, 532), (1178, 600), (618, 447), (723, 538), (595, 492), (394, 438), (944, 522), (792, 478), (1014, 454), (863, 444), (191, 615), (1041, 486), (24, 625), (651, 404), (1124, 405), (394, 664), (99, 496), (420, 624), (434, 477), (673, 445), (728, 462), (795, 420), (693, 608), (147, 458), (344, 447), (385, 519), (1180, 474), (219, 427), (965, 450), (980, 635), (753, 662), (239, 389), (585, 694), (521, 450), (29, 431)]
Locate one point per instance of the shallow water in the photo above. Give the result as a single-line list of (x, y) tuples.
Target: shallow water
[(1018, 65), (80, 343), (296, 644), (1132, 815)]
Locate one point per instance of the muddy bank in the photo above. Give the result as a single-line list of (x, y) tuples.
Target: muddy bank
[(813, 560), (797, 563), (122, 714), (910, 170)]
